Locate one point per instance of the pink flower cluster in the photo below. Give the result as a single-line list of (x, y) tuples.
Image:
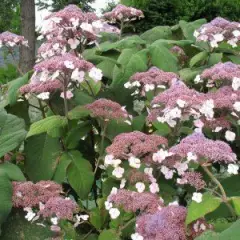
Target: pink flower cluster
[(28, 194), (59, 207), (135, 176), (133, 201), (153, 79), (219, 30), (221, 73), (123, 13), (136, 144), (165, 224), (206, 150), (107, 109), (9, 39)]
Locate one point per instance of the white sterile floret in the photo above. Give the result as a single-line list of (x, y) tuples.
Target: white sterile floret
[(236, 33), (55, 75), (128, 85), (168, 174), (181, 103), (207, 109), (30, 214), (214, 44), (236, 83), (114, 213), (181, 167), (191, 156), (54, 220), (217, 129), (230, 136), (77, 75), (96, 74), (108, 205), (84, 217), (73, 42), (136, 236), (116, 162), (97, 24), (118, 172), (236, 106), (148, 171), (43, 95), (140, 187), (108, 159), (86, 27), (69, 64), (161, 155), (69, 95), (114, 191), (174, 203), (149, 87), (233, 169), (233, 42), (218, 37), (197, 197), (134, 162), (154, 188), (136, 84), (123, 183)]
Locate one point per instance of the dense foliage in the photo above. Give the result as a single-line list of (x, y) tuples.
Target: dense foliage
[(123, 137)]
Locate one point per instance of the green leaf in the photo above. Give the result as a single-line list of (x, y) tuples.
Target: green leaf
[(60, 174), (188, 74), (162, 58), (14, 87), (78, 113), (42, 156), (208, 235), (12, 132), (231, 188), (197, 210), (233, 58), (198, 58), (5, 197), (215, 58), (160, 32), (232, 233), (109, 234), (162, 128), (235, 201), (98, 217), (138, 123), (80, 174), (46, 125), (107, 68), (13, 172)]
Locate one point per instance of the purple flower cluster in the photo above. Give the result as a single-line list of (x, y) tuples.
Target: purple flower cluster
[(219, 30), (153, 79), (165, 224), (216, 123), (136, 144), (205, 149), (123, 13), (221, 73), (59, 207), (107, 109), (9, 39), (133, 201), (28, 194)]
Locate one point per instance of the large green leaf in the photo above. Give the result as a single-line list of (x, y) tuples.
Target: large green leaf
[(109, 234), (160, 32), (235, 201), (80, 174), (13, 171), (5, 197), (197, 210), (14, 87), (78, 112), (47, 125), (231, 188), (98, 217), (12, 132), (162, 58), (198, 58), (42, 156)]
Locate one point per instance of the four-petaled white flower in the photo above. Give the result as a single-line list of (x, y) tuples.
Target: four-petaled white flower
[(128, 85), (230, 136), (73, 42), (77, 75), (134, 162), (181, 103), (43, 95), (236, 106), (198, 79), (191, 156), (118, 172), (149, 87), (123, 183), (197, 197), (236, 83), (69, 95), (161, 155), (236, 33), (86, 27), (207, 109), (233, 169), (114, 213), (96, 74), (167, 172), (30, 214), (69, 64), (108, 205), (54, 220), (140, 187), (154, 188), (136, 236)]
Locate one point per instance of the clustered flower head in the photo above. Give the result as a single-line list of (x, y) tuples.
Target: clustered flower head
[(136, 144), (123, 13), (9, 39), (204, 149), (107, 110), (134, 201), (62, 208), (167, 223), (219, 30), (220, 74), (151, 80), (28, 194)]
